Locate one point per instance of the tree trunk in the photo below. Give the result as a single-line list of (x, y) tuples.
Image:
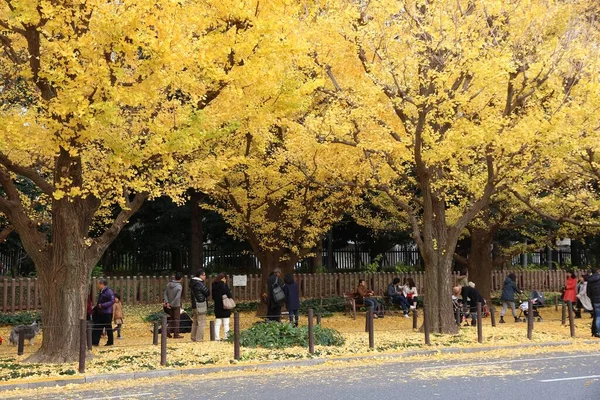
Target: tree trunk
[(480, 263), (64, 283), (64, 301), (197, 239), (438, 290)]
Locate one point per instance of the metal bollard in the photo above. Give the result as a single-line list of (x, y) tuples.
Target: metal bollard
[(426, 326), (311, 334), (493, 316), (155, 334), (163, 341), (236, 336), (21, 343), (415, 319), (529, 319), (367, 321), (571, 318), (82, 344), (211, 325), (371, 329), (479, 324)]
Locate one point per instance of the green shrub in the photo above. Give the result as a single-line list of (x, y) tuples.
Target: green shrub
[(20, 318), (275, 335)]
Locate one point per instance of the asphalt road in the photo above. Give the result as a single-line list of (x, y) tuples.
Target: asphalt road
[(549, 376)]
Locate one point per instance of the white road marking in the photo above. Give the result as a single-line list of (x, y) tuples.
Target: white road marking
[(119, 397), (571, 379), (510, 361)]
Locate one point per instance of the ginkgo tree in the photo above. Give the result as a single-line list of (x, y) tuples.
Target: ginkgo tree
[(98, 104), (278, 209), (446, 103)]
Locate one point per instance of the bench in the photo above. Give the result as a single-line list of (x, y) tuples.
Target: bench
[(351, 304)]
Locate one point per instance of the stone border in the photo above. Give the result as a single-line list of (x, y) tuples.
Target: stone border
[(278, 364)]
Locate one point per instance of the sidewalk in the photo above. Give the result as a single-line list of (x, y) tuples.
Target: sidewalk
[(263, 366)]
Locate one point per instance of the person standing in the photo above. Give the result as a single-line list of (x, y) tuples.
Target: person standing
[(571, 289), (273, 307), (220, 289), (593, 292), (199, 297), (292, 298), (508, 297), (172, 299), (103, 313), (118, 315)]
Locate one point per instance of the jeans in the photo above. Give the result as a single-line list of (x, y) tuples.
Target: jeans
[(293, 314), (370, 302), (596, 320), (505, 306), (401, 301)]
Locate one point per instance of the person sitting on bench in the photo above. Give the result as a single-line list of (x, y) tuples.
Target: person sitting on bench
[(364, 296), (397, 297)]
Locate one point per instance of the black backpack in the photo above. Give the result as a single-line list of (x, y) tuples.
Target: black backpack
[(278, 295)]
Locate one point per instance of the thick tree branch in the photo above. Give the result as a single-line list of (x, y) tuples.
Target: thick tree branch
[(29, 173), (101, 243), (555, 218), (5, 232)]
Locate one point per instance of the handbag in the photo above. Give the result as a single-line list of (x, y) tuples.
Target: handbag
[(202, 308), (228, 303)]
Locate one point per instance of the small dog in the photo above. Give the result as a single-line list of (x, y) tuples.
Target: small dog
[(30, 331)]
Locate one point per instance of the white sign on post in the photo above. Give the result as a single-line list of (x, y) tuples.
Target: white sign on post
[(240, 280)]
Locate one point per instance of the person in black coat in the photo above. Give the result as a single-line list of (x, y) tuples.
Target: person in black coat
[(273, 307), (593, 292), (470, 297), (292, 297), (220, 288)]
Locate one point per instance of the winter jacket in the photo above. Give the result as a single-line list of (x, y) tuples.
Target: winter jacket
[(292, 296), (173, 293), (199, 291), (118, 316), (392, 290), (218, 290), (106, 299), (471, 296), (571, 290), (593, 288), (509, 290)]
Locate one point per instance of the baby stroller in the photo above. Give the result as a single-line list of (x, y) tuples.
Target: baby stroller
[(459, 312), (537, 300)]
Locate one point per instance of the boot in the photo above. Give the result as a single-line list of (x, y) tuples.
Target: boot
[(517, 319), (501, 319)]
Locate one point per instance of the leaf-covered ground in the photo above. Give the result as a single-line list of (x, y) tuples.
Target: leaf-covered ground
[(393, 334)]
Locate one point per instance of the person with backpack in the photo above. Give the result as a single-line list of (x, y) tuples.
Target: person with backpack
[(275, 295)]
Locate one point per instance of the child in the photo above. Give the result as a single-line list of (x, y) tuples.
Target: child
[(118, 314), (292, 297)]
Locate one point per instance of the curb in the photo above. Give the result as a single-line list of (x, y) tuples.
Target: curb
[(266, 366)]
